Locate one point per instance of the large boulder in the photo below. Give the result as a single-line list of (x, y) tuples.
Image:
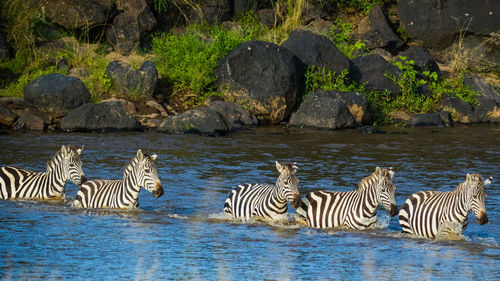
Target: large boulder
[(7, 117), (316, 50), (375, 32), (262, 76), (138, 83), (371, 70), (460, 110), (135, 19), (73, 14), (203, 120), (438, 119), (218, 118), (99, 117), (323, 110), (488, 108), (437, 23), (423, 60), (56, 94), (29, 121)]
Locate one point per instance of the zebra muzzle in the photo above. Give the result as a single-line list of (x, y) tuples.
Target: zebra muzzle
[(296, 200), (394, 210), (83, 179), (483, 218), (158, 191)]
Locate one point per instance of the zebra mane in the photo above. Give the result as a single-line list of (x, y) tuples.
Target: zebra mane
[(371, 179), (465, 184), (51, 163), (131, 164)]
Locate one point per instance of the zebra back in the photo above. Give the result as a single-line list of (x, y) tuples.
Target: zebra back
[(139, 172), (22, 183), (264, 200), (354, 209), (431, 213)]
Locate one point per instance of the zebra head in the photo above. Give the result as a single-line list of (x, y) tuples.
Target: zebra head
[(476, 196), (287, 182), (147, 174), (72, 165), (386, 190)]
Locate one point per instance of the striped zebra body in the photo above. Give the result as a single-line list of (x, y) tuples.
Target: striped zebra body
[(19, 183), (265, 200), (431, 213), (122, 194), (356, 209)]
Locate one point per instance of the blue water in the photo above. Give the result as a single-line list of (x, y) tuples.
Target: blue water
[(184, 235)]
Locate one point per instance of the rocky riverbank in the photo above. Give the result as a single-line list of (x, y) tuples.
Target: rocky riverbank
[(262, 83)]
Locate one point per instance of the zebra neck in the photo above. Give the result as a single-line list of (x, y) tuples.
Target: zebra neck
[(277, 197), (460, 205), (367, 199), (55, 181), (131, 186)]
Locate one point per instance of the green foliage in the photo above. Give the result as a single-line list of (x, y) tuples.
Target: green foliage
[(321, 78), (363, 6), (453, 87), (340, 34), (187, 61)]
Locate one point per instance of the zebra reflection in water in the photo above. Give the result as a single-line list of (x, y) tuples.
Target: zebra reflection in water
[(140, 172), (431, 213), (19, 183)]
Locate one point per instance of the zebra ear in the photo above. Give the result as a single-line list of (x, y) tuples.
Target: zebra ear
[(391, 173), (79, 150), (488, 181), (153, 157), (139, 155), (378, 171), (295, 168), (468, 177), (279, 167), (63, 150)]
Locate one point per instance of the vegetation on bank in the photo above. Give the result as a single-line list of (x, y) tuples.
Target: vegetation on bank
[(186, 62)]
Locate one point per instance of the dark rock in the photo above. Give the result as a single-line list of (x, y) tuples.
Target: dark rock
[(375, 32), (486, 111), (141, 82), (211, 11), (99, 117), (135, 19), (7, 117), (266, 17), (203, 120), (29, 121), (477, 84), (370, 69), (422, 58), (5, 52), (383, 53), (14, 104), (323, 110), (437, 23), (316, 50), (357, 105), (262, 76), (319, 26), (78, 14), (446, 118), (426, 119), (459, 109), (368, 130), (56, 94), (240, 7), (234, 115)]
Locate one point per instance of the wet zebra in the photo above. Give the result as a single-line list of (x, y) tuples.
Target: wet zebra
[(429, 213), (19, 183), (265, 200), (140, 172), (356, 209)]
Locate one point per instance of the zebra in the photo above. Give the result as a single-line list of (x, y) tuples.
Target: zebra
[(265, 201), (122, 194), (356, 209), (20, 183), (430, 213)]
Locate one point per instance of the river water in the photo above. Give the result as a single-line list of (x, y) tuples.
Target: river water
[(184, 235)]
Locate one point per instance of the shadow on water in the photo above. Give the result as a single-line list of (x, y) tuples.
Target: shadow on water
[(184, 235)]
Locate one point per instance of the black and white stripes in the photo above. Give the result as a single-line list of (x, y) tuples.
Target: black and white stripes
[(264, 200), (140, 172), (431, 213), (19, 183), (355, 209)]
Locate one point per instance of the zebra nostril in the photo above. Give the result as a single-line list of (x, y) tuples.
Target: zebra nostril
[(394, 210), (295, 200), (483, 218)]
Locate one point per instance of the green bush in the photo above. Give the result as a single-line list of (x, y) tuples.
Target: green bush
[(340, 34)]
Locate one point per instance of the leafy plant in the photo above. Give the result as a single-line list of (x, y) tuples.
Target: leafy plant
[(340, 34)]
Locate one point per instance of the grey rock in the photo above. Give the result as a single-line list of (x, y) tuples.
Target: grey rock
[(141, 82), (370, 69), (425, 120), (459, 109), (99, 117), (263, 77), (7, 117), (56, 94), (233, 114), (78, 14), (423, 60), (29, 121), (201, 120), (316, 50), (323, 110)]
